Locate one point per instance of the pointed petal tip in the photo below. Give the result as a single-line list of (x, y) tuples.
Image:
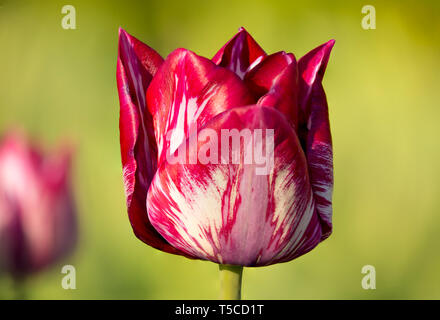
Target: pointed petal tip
[(318, 57), (329, 44), (324, 48), (123, 36), (327, 49), (122, 32), (242, 29)]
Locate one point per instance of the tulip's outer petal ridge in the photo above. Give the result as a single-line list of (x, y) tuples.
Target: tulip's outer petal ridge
[(187, 91), (225, 212), (274, 81), (137, 63), (315, 130), (239, 54)]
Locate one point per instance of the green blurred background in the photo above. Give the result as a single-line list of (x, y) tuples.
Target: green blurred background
[(382, 87)]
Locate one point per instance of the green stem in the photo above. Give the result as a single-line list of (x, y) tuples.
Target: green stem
[(230, 282)]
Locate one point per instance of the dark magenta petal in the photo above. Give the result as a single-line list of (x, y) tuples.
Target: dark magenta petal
[(311, 69), (315, 130), (227, 213), (239, 53), (136, 66), (187, 91), (274, 81)]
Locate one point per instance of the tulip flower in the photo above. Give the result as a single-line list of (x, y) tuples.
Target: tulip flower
[(190, 191), (37, 214)]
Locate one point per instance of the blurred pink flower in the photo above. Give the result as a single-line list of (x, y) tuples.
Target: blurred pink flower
[(37, 213)]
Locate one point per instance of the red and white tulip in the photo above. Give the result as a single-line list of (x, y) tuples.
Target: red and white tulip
[(224, 211)]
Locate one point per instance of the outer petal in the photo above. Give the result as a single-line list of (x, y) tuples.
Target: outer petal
[(311, 71), (274, 81), (187, 91), (55, 175), (229, 214), (137, 64), (239, 53), (315, 130), (19, 191)]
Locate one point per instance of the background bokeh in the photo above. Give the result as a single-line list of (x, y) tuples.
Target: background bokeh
[(382, 87)]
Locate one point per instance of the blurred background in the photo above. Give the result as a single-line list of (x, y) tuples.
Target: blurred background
[(382, 90)]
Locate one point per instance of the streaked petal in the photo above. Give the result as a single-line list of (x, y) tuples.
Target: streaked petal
[(187, 91), (137, 64), (239, 53), (320, 157), (274, 81), (315, 130), (229, 214)]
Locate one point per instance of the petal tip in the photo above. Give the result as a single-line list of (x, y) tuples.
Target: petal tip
[(122, 32), (329, 45), (242, 30)]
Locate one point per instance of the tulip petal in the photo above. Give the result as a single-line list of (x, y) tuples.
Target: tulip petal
[(239, 53), (228, 213), (137, 64), (315, 130), (20, 191), (55, 174), (187, 91), (274, 81), (311, 71)]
